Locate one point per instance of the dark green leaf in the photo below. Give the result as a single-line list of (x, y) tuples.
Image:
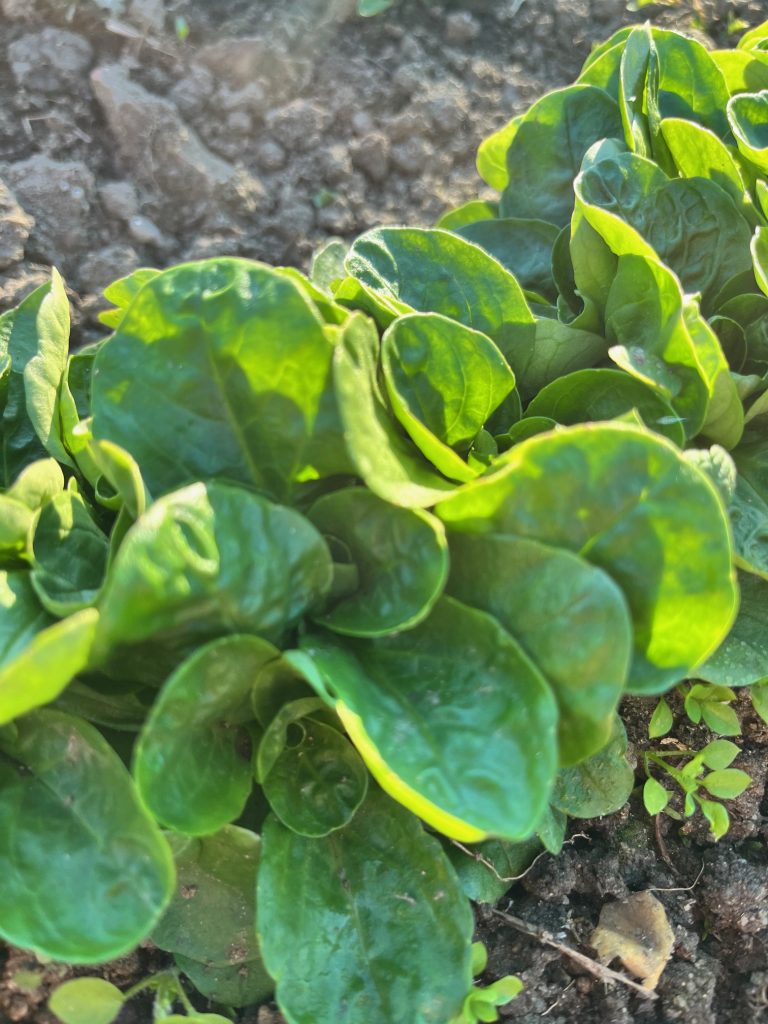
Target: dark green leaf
[(523, 246), (487, 870), (83, 831), (742, 658), (601, 784), (376, 893)]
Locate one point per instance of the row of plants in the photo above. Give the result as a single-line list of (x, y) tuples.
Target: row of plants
[(310, 582)]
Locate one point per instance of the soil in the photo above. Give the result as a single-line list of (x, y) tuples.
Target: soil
[(145, 132)]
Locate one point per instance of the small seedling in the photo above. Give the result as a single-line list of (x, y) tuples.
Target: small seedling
[(482, 1002), (702, 701), (692, 777)]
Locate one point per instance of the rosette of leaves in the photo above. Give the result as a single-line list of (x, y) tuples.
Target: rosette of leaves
[(307, 580)]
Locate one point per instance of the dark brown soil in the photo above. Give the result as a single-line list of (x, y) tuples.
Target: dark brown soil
[(271, 127)]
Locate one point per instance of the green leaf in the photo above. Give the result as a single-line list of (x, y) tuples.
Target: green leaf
[(443, 381), (389, 463), (122, 292), (551, 830), (629, 486), (38, 657), (479, 959), (328, 264), (719, 754), (69, 555), (369, 8), (468, 213), (180, 578), (37, 484), (492, 155), (749, 509), (593, 395), (573, 598), (655, 796), (401, 559), (759, 695), (428, 270), (721, 718), (192, 762), (601, 784), (716, 815), (521, 245), (250, 396), (86, 1001), (82, 820), (410, 703), (35, 336), (275, 737), (209, 925), (661, 720), (742, 658), (376, 893), (316, 785), (546, 152), (748, 116)]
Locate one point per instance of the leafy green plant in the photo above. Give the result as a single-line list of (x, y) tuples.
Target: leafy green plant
[(96, 1001), (693, 779), (311, 585), (482, 1001)]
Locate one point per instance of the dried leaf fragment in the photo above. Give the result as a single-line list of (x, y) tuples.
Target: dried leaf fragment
[(635, 930)]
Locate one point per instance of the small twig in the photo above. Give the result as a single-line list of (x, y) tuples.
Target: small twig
[(513, 878), (663, 851), (597, 970), (557, 1002), (684, 888)]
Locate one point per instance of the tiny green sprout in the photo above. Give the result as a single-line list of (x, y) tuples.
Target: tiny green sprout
[(712, 704), (96, 1001), (694, 781), (661, 720), (481, 1004), (181, 27), (368, 8), (759, 695)]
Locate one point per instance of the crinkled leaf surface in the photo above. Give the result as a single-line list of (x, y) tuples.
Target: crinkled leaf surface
[(458, 713), (436, 271), (192, 763), (522, 245), (335, 915), (82, 830), (612, 493), (205, 561), (249, 398), (210, 922), (544, 597), (601, 784), (401, 559)]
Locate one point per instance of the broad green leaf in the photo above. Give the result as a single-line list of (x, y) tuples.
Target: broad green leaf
[(719, 754), (617, 39), (37, 484), (328, 263), (16, 522), (400, 557), (546, 152), (122, 474), (210, 923), (468, 213), (661, 721), (743, 70), (560, 349), (633, 75), (316, 785), (86, 1001), (249, 398), (487, 870), (192, 763), (492, 155), (276, 734), (551, 830), (655, 796), (332, 312), (759, 248), (601, 784), (749, 508), (755, 38), (38, 657), (376, 893), (721, 718), (444, 381), (591, 395), (434, 271), (523, 246), (410, 703), (603, 70), (35, 337), (69, 555), (389, 463), (699, 153), (726, 783), (742, 658), (122, 292), (75, 406), (759, 694), (612, 493), (180, 577), (83, 831), (573, 598), (690, 85), (748, 117), (647, 324), (716, 815)]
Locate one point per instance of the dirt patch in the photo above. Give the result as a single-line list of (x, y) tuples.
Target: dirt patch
[(268, 128)]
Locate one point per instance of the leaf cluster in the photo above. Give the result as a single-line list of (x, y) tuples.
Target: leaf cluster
[(310, 581)]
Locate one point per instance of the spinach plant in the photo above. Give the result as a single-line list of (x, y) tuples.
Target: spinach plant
[(312, 584)]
